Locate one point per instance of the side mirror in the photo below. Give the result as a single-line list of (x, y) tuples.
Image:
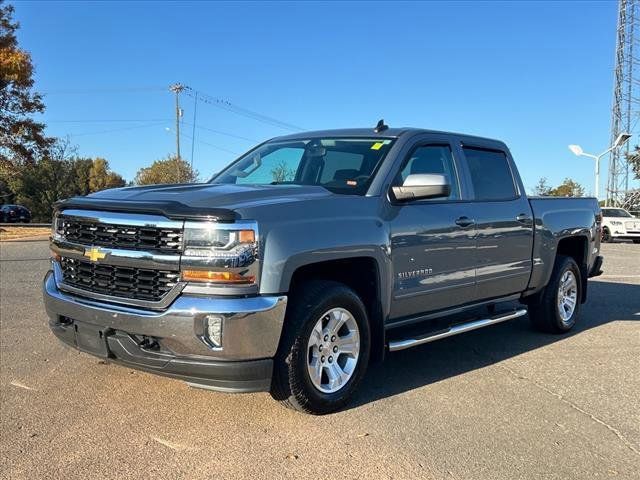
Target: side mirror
[(422, 186)]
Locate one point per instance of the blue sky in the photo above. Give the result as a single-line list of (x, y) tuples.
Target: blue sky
[(537, 75)]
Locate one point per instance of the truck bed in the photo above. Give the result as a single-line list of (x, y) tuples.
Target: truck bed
[(557, 219)]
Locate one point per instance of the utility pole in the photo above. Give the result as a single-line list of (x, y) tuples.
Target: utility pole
[(193, 132), (177, 88)]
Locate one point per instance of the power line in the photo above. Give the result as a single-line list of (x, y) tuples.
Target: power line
[(111, 120), (89, 91), (182, 134), (121, 129), (232, 135), (230, 107)]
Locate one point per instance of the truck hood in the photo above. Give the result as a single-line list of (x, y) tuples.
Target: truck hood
[(218, 202)]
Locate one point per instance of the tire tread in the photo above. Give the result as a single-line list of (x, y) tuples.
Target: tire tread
[(285, 387), (543, 313)]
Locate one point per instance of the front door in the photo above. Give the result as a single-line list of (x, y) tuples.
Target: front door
[(432, 241)]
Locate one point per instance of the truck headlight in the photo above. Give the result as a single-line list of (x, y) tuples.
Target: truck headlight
[(56, 229), (220, 253)]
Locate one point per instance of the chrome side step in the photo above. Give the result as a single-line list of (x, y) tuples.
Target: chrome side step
[(462, 328)]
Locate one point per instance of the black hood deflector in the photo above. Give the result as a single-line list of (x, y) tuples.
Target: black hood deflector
[(169, 208)]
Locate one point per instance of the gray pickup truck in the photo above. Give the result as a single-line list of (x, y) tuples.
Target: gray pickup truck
[(311, 256)]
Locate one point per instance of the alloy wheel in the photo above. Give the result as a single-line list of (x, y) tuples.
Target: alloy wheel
[(333, 350), (567, 296)]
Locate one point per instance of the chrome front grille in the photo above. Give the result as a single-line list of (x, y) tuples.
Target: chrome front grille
[(632, 226), (118, 281), (131, 237)]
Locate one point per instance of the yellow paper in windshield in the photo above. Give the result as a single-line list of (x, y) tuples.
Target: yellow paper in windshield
[(377, 146)]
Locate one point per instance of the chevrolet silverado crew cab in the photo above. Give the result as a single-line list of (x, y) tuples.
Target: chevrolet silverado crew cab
[(311, 256)]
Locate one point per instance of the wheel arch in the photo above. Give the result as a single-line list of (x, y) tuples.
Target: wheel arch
[(577, 247), (363, 274)]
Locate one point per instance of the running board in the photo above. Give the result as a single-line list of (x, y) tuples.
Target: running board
[(462, 328)]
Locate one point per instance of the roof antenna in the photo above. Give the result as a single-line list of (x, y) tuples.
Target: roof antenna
[(381, 127)]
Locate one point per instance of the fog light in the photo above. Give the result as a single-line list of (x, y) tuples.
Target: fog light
[(213, 328)]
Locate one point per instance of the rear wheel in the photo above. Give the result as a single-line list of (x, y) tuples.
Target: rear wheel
[(324, 350), (556, 310)]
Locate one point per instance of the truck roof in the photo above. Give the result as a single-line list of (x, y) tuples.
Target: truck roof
[(369, 132)]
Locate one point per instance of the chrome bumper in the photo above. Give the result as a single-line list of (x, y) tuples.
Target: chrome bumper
[(251, 331)]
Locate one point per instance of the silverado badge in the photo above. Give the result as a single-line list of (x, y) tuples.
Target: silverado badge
[(94, 254)]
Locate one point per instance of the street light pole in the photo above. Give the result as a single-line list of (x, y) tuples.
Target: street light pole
[(577, 150)]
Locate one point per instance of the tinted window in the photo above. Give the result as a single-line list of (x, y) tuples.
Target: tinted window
[(432, 159), (490, 174), (615, 212), (279, 166), (341, 165)]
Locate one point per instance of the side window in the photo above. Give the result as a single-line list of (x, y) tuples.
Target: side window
[(279, 166), (490, 174), (432, 159)]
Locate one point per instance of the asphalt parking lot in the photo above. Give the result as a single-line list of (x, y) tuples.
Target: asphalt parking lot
[(503, 402)]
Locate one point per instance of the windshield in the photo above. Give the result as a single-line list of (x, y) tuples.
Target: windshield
[(616, 212), (341, 165)]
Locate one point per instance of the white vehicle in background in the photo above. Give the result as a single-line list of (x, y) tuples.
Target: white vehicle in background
[(618, 224)]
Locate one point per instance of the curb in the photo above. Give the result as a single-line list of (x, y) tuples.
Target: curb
[(40, 238)]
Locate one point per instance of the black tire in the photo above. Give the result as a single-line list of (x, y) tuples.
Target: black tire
[(606, 236), (291, 383), (544, 311), (636, 240)]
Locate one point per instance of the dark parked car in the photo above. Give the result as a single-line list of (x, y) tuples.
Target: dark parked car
[(14, 214)]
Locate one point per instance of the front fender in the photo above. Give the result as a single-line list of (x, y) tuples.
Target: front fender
[(287, 246)]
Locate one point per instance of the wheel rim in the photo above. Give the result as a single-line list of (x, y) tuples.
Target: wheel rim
[(333, 350), (567, 296)]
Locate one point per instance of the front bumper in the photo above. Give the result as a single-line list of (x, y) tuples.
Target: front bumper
[(626, 236), (171, 342), (622, 233)]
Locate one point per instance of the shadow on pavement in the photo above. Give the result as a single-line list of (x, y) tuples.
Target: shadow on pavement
[(409, 369)]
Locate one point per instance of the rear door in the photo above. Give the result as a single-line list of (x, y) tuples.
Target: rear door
[(504, 220), (432, 241)]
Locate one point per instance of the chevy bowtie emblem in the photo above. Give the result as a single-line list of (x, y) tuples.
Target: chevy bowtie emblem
[(94, 254)]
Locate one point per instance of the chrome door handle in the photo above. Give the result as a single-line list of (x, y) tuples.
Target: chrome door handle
[(465, 222)]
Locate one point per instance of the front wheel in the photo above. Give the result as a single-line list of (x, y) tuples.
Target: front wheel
[(606, 236), (324, 350), (557, 309)]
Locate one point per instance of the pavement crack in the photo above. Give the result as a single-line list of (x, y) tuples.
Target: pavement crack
[(564, 400), (15, 383), (172, 445)]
